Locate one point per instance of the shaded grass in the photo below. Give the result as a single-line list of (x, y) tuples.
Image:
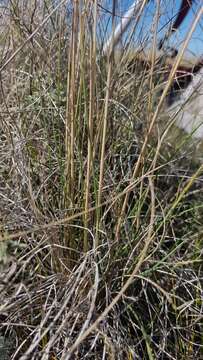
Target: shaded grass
[(101, 213)]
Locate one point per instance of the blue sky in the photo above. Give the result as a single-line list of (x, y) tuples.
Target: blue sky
[(168, 9)]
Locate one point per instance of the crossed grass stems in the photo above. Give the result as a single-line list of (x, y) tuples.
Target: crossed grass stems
[(101, 217)]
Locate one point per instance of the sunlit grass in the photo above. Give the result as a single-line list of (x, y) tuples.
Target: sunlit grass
[(101, 200)]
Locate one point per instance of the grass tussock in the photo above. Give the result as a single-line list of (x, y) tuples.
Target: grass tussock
[(101, 210)]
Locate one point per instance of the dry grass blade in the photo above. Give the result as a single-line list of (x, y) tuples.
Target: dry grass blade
[(88, 158)]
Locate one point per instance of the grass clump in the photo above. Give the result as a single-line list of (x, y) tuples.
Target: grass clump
[(101, 217)]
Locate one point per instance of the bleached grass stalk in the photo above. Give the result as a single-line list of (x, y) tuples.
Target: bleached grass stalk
[(153, 58), (151, 84), (70, 121), (104, 127), (92, 110), (73, 95)]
